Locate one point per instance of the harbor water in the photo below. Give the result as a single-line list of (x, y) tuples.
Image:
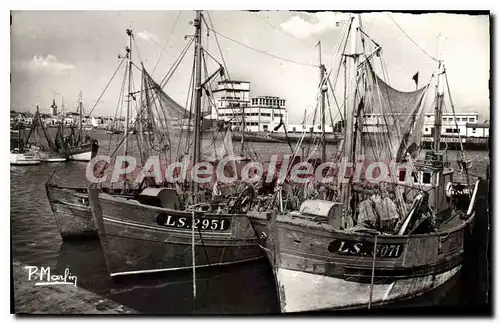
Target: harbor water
[(241, 289)]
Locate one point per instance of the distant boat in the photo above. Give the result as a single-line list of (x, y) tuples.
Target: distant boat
[(52, 157), (24, 157)]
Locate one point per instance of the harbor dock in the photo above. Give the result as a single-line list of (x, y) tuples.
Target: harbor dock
[(57, 299)]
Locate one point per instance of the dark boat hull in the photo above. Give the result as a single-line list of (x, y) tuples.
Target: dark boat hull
[(71, 212), (134, 243), (84, 152)]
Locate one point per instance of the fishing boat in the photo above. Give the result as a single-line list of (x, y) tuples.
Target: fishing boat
[(39, 142), (155, 231), (77, 146), (376, 244), (22, 157), (153, 123)]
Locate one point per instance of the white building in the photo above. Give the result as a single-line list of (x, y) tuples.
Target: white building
[(230, 97), (264, 113), (477, 130), (233, 103), (449, 124)]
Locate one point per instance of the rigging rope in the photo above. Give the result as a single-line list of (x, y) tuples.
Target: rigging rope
[(430, 56), (264, 53), (107, 85), (278, 29), (166, 43)]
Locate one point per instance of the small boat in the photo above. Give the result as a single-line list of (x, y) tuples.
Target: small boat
[(24, 157)]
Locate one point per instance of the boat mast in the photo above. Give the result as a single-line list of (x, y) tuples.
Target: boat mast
[(62, 116), (439, 100), (351, 87), (129, 57), (323, 91), (198, 94), (80, 108)]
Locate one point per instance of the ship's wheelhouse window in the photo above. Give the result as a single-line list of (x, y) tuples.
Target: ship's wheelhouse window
[(474, 130), (264, 127), (426, 178), (471, 119), (464, 119), (294, 129), (402, 175), (426, 129)]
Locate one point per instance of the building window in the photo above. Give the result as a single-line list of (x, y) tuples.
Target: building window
[(471, 119), (464, 119), (264, 127), (449, 130), (456, 130)]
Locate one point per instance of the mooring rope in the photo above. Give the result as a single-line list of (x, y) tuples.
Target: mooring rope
[(373, 272), (193, 257)]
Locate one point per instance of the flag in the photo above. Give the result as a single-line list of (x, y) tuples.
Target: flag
[(415, 78)]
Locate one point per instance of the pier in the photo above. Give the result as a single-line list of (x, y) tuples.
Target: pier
[(57, 299)]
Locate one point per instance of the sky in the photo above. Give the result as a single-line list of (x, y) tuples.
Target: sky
[(56, 54)]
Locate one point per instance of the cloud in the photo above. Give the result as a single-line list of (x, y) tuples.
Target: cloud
[(48, 63), (147, 36), (315, 23)]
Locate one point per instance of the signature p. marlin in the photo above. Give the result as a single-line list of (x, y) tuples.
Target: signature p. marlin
[(45, 278)]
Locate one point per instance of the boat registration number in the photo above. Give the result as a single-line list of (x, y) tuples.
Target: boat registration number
[(212, 224), (358, 248)]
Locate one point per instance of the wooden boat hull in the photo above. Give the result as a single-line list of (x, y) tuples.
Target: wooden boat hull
[(71, 212), (318, 268), (134, 242)]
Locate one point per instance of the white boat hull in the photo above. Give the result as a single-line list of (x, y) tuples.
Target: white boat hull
[(55, 159), (84, 156), (300, 291), (52, 157), (21, 159)]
